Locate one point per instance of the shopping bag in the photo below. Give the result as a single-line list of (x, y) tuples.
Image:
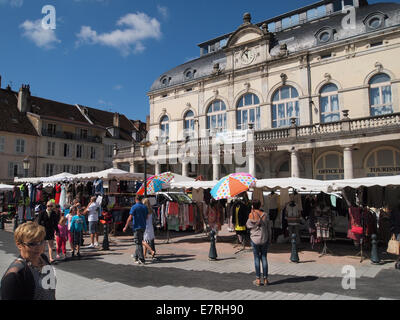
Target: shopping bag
[(394, 246)]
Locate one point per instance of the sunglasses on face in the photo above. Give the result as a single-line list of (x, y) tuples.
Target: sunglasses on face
[(34, 244)]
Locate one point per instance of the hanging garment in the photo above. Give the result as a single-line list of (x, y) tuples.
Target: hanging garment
[(258, 195), (63, 197), (284, 197), (58, 193), (375, 197), (292, 214), (39, 193), (355, 217), (297, 199), (198, 195), (173, 208), (272, 201)]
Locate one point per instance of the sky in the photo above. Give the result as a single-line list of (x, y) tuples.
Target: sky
[(106, 54)]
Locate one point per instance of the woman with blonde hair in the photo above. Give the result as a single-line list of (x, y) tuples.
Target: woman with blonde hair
[(28, 277), (148, 237)]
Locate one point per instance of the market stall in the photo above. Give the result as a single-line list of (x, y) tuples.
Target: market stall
[(4, 191), (372, 204)]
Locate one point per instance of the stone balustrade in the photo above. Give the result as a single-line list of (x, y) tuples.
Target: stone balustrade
[(346, 126)]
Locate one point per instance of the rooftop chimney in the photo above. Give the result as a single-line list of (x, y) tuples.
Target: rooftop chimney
[(116, 120), (0, 82), (24, 96)]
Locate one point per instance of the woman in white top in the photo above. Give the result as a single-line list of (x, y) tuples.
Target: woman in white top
[(148, 237)]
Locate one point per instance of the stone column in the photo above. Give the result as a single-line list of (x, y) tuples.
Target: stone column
[(132, 166), (250, 151), (295, 164), (157, 168), (348, 163), (185, 166), (216, 166)]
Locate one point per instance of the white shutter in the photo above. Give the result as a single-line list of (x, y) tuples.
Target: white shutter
[(10, 169)]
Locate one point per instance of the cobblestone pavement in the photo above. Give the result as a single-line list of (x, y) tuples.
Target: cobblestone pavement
[(183, 272)]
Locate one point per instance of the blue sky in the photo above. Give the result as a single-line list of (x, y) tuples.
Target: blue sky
[(106, 54)]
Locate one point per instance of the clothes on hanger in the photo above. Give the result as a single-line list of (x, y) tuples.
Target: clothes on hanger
[(57, 189)]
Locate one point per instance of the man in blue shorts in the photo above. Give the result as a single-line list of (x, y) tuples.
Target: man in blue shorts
[(138, 215)]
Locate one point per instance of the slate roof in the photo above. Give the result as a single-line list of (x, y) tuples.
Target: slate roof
[(106, 120), (297, 39), (11, 120)]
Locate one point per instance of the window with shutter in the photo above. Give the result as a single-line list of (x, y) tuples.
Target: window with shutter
[(2, 143)]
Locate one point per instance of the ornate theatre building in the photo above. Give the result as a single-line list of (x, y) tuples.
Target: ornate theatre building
[(313, 93)]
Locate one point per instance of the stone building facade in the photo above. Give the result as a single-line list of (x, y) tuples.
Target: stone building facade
[(313, 93), (56, 137)]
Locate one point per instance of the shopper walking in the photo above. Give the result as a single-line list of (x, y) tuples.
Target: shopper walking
[(78, 225), (93, 219), (69, 216), (25, 278), (395, 227), (62, 237), (49, 220), (138, 215), (148, 237), (260, 236)]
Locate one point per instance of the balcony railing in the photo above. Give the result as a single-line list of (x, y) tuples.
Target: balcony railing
[(343, 128), (71, 136)]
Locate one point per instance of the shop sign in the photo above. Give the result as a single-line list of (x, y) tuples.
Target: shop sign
[(384, 169), (232, 137), (331, 171)]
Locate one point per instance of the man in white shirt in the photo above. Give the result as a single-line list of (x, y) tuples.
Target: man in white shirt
[(93, 218)]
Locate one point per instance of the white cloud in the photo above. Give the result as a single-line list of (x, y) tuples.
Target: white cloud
[(13, 3), (42, 37), (163, 11), (118, 87), (138, 27)]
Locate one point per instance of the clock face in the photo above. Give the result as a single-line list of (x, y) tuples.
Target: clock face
[(247, 56)]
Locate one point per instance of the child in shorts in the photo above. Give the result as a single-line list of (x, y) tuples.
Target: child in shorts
[(78, 225)]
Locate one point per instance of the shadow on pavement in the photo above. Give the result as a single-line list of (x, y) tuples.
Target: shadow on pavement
[(293, 280)]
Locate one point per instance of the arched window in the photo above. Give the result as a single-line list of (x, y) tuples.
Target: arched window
[(164, 126), (383, 162), (189, 123), (380, 95), (216, 116), (330, 167), (248, 112), (285, 105), (329, 103)]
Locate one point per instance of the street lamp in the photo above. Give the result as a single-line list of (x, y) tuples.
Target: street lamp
[(26, 164), (143, 147)]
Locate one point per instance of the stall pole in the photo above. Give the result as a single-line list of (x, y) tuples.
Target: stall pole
[(106, 244), (2, 217), (212, 256), (294, 256), (374, 251), (15, 222)]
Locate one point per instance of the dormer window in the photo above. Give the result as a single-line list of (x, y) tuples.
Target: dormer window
[(189, 74), (375, 21), (325, 35), (165, 80)]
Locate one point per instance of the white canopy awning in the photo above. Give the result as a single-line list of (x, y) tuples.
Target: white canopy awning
[(6, 187), (27, 180), (365, 182), (193, 184), (109, 174), (58, 177), (295, 183)]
